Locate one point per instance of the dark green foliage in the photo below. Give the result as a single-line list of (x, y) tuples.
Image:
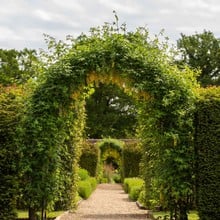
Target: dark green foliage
[(10, 115), (207, 145), (131, 159), (110, 113), (89, 158)]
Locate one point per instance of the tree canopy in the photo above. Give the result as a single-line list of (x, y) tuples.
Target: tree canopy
[(110, 113), (202, 51)]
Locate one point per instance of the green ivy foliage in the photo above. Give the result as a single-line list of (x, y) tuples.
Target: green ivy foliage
[(113, 144), (207, 143), (11, 106), (142, 68)]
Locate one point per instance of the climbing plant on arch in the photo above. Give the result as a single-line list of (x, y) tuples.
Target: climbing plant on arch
[(55, 118)]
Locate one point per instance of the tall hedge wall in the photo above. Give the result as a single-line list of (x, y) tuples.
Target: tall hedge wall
[(89, 158), (207, 145), (131, 159), (10, 106)]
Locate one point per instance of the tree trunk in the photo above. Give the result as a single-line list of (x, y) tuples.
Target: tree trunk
[(183, 211), (32, 214)]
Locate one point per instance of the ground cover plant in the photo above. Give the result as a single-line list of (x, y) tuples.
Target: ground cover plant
[(193, 215)]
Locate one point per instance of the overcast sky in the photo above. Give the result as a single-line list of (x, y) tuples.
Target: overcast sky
[(23, 22)]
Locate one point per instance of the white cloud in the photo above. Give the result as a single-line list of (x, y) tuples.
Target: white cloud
[(23, 22)]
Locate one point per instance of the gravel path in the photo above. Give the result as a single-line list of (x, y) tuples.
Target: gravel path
[(108, 201)]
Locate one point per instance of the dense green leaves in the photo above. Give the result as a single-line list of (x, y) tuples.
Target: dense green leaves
[(17, 67), (131, 159), (55, 121), (207, 141), (110, 112), (11, 108)]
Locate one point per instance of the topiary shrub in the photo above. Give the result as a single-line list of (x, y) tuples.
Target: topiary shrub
[(207, 145)]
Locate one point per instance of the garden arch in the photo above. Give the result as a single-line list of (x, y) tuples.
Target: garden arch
[(111, 151), (56, 115)]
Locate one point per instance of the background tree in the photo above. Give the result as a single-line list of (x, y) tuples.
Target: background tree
[(16, 67), (202, 51), (110, 112)]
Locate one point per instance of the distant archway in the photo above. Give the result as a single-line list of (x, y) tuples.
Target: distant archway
[(55, 120), (111, 159)]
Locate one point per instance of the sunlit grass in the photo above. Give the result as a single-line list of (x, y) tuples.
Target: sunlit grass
[(193, 215), (24, 214)]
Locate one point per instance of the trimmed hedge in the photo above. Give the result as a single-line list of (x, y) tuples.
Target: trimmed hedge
[(131, 160), (86, 187), (207, 145), (89, 158), (133, 187), (83, 174)]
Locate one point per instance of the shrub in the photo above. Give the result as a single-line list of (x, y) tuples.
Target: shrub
[(207, 125), (133, 187), (116, 178), (86, 187), (93, 182), (83, 174), (141, 197), (134, 193)]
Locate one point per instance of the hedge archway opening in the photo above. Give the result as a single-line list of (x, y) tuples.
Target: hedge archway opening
[(111, 166), (55, 121)]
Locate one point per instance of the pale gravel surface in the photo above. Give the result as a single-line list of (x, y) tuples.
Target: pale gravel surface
[(108, 201)]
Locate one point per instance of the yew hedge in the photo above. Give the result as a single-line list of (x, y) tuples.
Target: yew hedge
[(207, 146)]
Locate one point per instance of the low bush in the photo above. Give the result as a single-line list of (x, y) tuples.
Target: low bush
[(141, 197), (83, 174), (116, 178), (134, 193), (86, 187), (133, 187)]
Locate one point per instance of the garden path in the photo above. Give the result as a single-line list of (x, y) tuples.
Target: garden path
[(108, 201)]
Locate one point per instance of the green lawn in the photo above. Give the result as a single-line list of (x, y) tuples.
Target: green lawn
[(24, 214), (192, 215)]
